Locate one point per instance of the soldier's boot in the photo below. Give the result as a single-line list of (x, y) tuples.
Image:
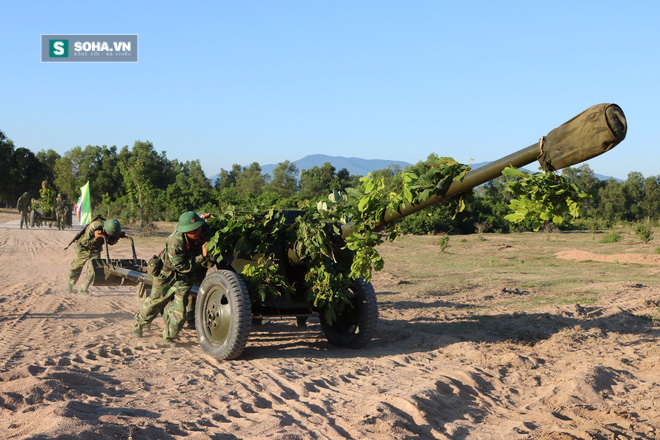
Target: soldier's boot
[(190, 320), (168, 334), (170, 343), (85, 285), (69, 287), (137, 330)]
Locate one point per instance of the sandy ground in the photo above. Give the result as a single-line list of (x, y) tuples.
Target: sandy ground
[(69, 368)]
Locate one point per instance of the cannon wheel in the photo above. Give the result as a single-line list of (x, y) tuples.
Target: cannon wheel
[(223, 315), (33, 218), (354, 326)]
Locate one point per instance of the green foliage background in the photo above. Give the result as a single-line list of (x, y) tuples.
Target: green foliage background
[(140, 185)]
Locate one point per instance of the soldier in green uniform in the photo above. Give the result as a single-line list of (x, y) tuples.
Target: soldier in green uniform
[(88, 247), (176, 271), (60, 211), (23, 206)]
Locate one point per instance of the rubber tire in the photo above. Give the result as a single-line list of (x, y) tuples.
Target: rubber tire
[(223, 316), (354, 326), (33, 218)]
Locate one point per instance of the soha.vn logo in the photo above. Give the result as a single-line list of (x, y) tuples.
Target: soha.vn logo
[(102, 46), (58, 48)]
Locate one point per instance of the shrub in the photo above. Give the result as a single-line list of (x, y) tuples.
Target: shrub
[(644, 232), (611, 237), (443, 242)]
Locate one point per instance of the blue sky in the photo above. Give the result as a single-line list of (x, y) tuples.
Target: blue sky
[(231, 82)]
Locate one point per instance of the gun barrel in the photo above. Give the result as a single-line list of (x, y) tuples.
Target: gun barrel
[(593, 132)]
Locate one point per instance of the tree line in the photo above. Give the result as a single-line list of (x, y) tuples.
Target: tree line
[(139, 185)]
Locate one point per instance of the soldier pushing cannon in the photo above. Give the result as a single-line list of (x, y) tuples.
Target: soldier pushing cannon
[(226, 304)]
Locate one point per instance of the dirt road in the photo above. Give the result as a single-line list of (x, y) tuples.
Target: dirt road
[(69, 367)]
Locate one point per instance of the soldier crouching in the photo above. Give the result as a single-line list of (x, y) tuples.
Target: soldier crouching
[(88, 247), (174, 273)]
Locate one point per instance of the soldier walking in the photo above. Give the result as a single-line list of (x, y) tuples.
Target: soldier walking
[(175, 272), (88, 247), (23, 207)]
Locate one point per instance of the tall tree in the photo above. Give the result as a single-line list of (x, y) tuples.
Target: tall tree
[(190, 191), (285, 179), (651, 204), (250, 181), (96, 164), (138, 187), (584, 177), (27, 172), (7, 187), (227, 179), (633, 191), (343, 180), (157, 169), (48, 158), (611, 202), (317, 181)]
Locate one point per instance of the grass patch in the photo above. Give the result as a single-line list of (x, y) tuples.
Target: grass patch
[(483, 273)]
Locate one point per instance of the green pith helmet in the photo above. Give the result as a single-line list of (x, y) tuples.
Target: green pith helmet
[(189, 221), (59, 196), (25, 194), (112, 228)]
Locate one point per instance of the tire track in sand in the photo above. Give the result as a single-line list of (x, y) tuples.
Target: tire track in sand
[(18, 327)]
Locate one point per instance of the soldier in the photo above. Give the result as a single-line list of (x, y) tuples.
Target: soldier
[(176, 271), (60, 211), (69, 214), (88, 247), (23, 207)]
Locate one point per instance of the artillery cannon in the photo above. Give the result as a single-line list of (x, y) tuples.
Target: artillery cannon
[(225, 308), (37, 218)]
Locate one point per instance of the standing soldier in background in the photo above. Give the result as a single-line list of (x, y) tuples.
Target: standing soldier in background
[(60, 211), (23, 207), (69, 214), (88, 247), (175, 271)]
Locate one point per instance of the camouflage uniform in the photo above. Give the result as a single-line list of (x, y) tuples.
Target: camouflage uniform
[(23, 206), (60, 211), (87, 248), (182, 262)]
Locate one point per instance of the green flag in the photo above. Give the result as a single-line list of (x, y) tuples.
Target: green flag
[(84, 205)]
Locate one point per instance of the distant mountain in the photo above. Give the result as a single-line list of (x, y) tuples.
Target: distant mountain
[(360, 167), (354, 165)]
